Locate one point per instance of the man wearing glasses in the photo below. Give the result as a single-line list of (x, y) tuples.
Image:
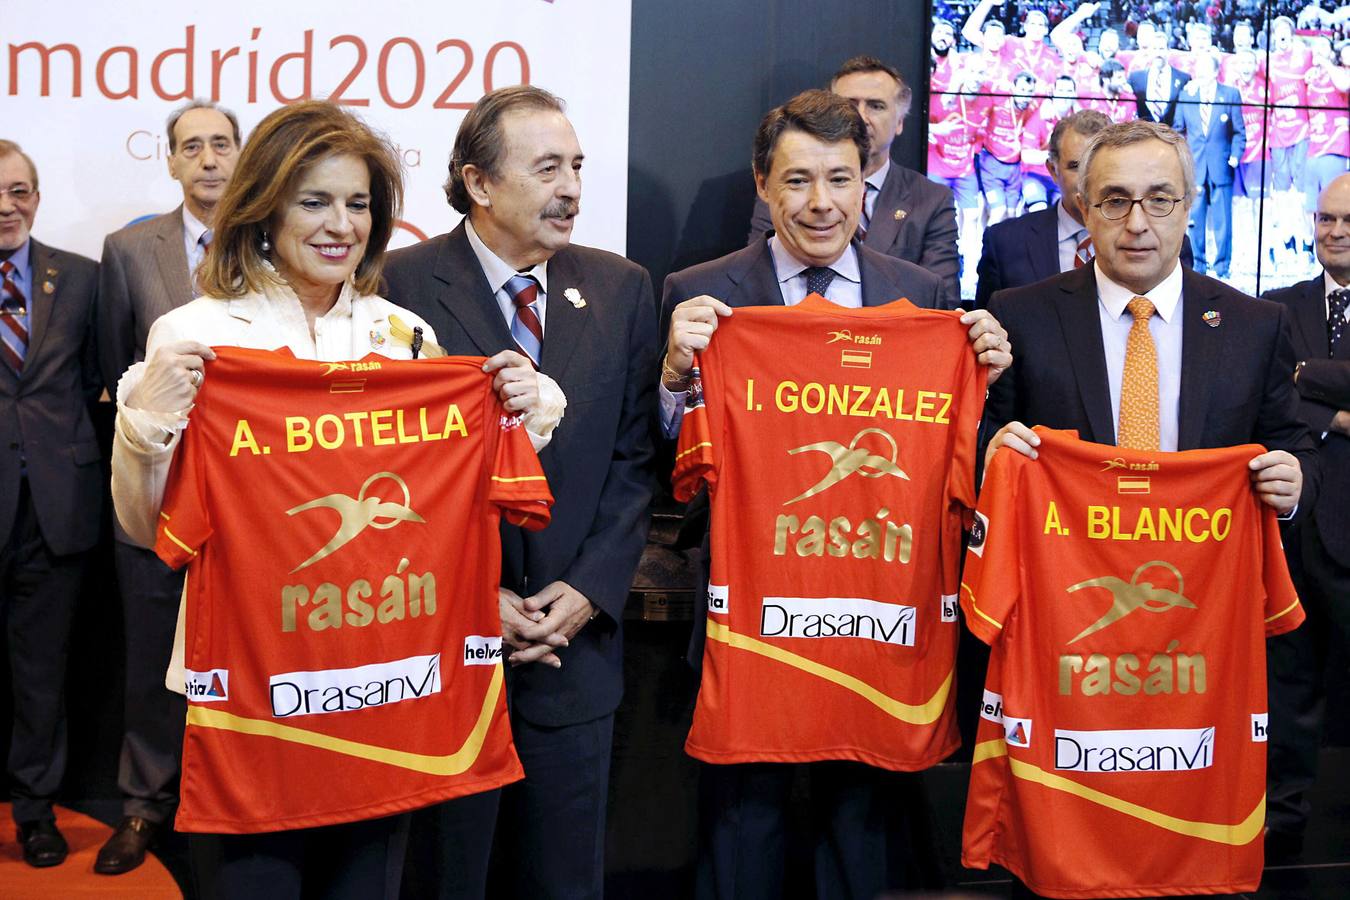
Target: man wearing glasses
[(1208, 365)]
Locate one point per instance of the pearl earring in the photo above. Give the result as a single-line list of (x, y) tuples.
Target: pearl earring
[(266, 244)]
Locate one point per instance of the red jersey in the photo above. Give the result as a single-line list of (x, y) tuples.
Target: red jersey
[(1127, 596), (1118, 109), (1036, 135), (343, 644), (1328, 117), (1036, 57), (1288, 96), (952, 155), (1003, 137), (1254, 114), (942, 71), (831, 608)]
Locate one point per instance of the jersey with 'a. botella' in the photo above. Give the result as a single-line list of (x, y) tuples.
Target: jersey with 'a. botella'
[(1127, 597), (838, 448), (339, 521)]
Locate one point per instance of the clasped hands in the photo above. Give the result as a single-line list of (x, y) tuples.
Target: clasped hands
[(535, 626)]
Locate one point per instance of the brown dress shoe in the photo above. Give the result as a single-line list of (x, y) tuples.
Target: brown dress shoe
[(125, 850), (43, 844)]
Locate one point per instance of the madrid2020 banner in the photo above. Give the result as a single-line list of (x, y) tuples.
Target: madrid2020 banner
[(85, 89)]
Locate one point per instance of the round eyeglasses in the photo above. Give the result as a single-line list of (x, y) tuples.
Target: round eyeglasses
[(1157, 206)]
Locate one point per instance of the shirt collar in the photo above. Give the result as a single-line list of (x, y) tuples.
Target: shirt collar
[(787, 266), (193, 229), (21, 259), (1166, 296), (1329, 283), (498, 272), (878, 178), (1067, 226)]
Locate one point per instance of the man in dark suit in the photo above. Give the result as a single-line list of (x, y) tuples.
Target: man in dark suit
[(1157, 87), (808, 161), (51, 489), (1210, 115), (1223, 360), (509, 277), (146, 270), (1318, 548), (905, 215)]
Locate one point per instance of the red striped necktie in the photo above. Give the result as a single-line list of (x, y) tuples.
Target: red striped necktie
[(13, 320)]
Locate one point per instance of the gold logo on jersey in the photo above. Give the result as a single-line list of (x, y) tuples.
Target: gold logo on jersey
[(1132, 595), (373, 366), (359, 513), (843, 335), (850, 460)]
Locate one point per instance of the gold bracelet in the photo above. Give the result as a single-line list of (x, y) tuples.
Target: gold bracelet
[(670, 375)]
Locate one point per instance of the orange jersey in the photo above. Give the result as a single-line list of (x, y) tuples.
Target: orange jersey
[(1127, 597), (838, 446), (339, 522)]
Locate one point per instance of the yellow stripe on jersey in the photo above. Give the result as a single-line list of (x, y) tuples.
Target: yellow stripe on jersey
[(171, 536), (1288, 609), (699, 446), (923, 714), (981, 613), (1241, 834), (454, 764), (513, 479)]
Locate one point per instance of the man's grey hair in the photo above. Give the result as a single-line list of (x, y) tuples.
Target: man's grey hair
[(200, 104), (1085, 122), (1123, 134)]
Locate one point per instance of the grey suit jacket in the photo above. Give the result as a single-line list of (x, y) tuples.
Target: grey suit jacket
[(44, 413), (599, 463), (913, 219), (143, 275)]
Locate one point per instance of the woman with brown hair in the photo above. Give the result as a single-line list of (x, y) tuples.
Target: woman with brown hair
[(295, 262)]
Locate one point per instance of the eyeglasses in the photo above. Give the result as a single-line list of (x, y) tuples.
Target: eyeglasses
[(1157, 206), (19, 193)]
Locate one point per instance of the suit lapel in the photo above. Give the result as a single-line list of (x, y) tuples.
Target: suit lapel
[(755, 278), (1081, 323), (1201, 357), (1310, 318), (171, 259), (43, 271), (564, 323), (1043, 247), (892, 199), (468, 297), (877, 288)]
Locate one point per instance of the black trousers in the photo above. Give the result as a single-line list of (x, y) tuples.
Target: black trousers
[(153, 716), (1296, 672), (38, 595), (867, 825), (354, 861), (542, 838)]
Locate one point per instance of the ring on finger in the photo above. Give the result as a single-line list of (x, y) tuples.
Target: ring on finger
[(195, 376)]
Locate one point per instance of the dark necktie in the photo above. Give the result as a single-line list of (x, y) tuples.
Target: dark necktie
[(818, 278), (1337, 301), (13, 320), (525, 325)]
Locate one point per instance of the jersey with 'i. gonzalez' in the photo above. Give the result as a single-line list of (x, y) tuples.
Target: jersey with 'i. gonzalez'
[(838, 446), (1127, 596), (339, 521)]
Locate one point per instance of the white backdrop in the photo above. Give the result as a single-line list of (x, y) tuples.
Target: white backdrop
[(94, 121)]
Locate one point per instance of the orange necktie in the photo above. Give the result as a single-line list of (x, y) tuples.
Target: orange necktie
[(1139, 386)]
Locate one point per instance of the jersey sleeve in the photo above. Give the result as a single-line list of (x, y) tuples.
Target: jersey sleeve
[(1283, 610), (695, 454), (184, 517), (992, 580), (518, 487), (968, 392)]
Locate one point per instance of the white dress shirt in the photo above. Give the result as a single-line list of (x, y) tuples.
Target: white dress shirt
[(498, 273), (1070, 233), (1331, 285), (193, 230)]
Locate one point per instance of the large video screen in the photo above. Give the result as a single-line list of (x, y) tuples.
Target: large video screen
[(1263, 83)]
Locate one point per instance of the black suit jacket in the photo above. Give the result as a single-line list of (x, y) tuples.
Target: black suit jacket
[(1323, 390), (44, 413), (747, 278), (913, 219), (1236, 384), (1025, 250), (1139, 82), (599, 463)]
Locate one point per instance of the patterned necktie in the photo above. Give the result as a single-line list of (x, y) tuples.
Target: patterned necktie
[(865, 220), (525, 325), (1206, 109), (1083, 254), (1139, 385), (818, 278), (13, 320), (1337, 302), (207, 237)]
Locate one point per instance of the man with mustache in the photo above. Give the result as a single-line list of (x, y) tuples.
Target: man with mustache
[(147, 271), (508, 278)]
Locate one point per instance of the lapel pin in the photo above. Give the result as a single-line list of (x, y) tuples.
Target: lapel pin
[(1212, 318), (574, 297), (48, 287), (376, 338), (51, 273), (900, 214)]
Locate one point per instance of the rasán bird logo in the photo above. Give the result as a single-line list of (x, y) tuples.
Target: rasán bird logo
[(359, 513), (1132, 595), (851, 459)]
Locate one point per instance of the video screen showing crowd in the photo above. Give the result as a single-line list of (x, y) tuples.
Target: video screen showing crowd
[(1260, 87)]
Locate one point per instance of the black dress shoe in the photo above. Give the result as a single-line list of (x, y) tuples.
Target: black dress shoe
[(125, 850), (43, 844)]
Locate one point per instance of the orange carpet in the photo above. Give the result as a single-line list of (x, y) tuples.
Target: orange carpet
[(75, 877)]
